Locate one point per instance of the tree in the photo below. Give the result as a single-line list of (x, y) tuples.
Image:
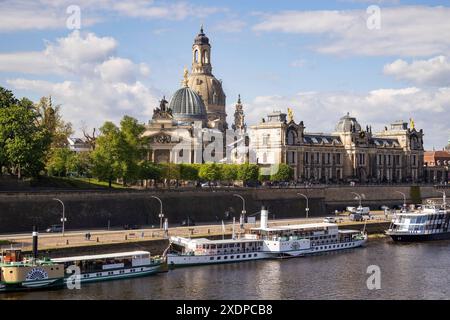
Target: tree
[(50, 118), (106, 157), (23, 140), (189, 172), (248, 172), (132, 147), (209, 172), (60, 162), (80, 164), (149, 171), (229, 172), (7, 100), (284, 173), (118, 151)]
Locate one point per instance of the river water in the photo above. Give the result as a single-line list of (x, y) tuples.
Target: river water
[(408, 271)]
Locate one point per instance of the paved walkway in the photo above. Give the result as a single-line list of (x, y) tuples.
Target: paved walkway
[(77, 238)]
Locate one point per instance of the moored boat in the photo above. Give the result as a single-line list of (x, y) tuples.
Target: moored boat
[(265, 242), (18, 272), (431, 222), (111, 266)]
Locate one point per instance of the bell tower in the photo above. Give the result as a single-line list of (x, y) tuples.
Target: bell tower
[(203, 82), (201, 54)]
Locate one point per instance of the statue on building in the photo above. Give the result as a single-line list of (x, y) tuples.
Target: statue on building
[(290, 115), (163, 112)]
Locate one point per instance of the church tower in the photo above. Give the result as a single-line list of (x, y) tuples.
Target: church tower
[(203, 82), (239, 122)]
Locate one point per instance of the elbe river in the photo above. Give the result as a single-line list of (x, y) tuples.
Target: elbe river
[(408, 271)]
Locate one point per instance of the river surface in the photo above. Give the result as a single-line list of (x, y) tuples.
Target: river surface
[(408, 271)]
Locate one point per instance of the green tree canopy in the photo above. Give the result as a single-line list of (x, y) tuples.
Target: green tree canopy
[(107, 155), (23, 140), (149, 171), (209, 172), (229, 172), (60, 162), (284, 173), (189, 172), (248, 172), (50, 118)]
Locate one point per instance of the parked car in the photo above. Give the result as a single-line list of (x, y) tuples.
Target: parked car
[(54, 228), (356, 217), (330, 219), (209, 184)]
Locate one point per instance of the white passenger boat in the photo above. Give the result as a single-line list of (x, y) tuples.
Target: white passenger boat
[(264, 243), (112, 266), (431, 222)]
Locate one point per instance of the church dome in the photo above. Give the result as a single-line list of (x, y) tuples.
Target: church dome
[(187, 105), (346, 123)]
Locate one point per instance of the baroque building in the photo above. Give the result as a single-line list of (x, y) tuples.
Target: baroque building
[(181, 128), (350, 153)]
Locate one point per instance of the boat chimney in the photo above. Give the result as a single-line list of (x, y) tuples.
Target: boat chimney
[(264, 217), (35, 242)]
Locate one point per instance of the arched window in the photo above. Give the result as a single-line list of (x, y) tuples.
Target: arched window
[(205, 57), (291, 137), (196, 55)]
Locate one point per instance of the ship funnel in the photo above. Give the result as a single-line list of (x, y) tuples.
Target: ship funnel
[(264, 217), (35, 242)]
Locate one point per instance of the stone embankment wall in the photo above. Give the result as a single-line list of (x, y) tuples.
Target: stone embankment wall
[(94, 209)]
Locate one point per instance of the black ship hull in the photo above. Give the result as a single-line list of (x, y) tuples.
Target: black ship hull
[(419, 237)]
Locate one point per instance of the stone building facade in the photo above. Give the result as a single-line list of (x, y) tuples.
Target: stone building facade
[(436, 166), (181, 128), (350, 153)]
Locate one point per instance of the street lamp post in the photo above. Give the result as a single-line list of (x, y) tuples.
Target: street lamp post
[(359, 197), (63, 219), (307, 204), (242, 219), (444, 199), (161, 214), (404, 199)]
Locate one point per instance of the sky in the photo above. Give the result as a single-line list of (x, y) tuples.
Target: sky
[(382, 61)]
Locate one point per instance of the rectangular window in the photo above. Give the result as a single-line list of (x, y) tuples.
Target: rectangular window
[(266, 139), (306, 157)]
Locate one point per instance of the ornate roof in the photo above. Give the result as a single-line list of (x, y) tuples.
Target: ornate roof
[(201, 38), (348, 124), (186, 104)]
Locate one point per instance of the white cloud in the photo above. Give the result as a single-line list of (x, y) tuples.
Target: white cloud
[(102, 86), (433, 72), (321, 111), (231, 25), (73, 54), (44, 14), (405, 30)]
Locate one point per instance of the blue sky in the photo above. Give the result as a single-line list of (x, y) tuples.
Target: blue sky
[(317, 57)]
